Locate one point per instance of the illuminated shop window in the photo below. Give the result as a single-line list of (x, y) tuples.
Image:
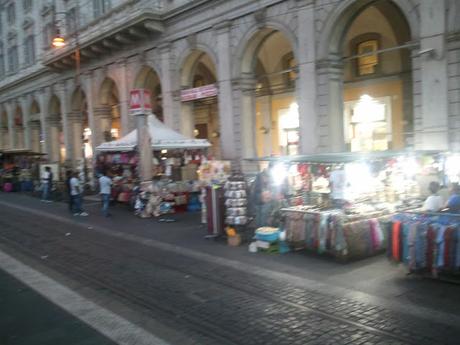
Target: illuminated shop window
[(367, 64), (289, 130), (368, 124)]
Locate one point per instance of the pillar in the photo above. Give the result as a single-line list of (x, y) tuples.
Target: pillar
[(43, 98), (225, 98), (88, 82), (34, 136), (103, 123), (169, 102), (26, 122), (54, 129), (330, 132), (187, 122), (65, 110), (11, 126), (76, 129), (433, 67), (5, 140), (246, 91), (124, 99), (306, 81)]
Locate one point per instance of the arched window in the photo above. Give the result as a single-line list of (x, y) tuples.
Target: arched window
[(100, 7), (11, 13), (29, 50), (367, 64), (13, 58), (2, 61)]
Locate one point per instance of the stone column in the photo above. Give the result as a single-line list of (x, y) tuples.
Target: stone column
[(5, 140), (54, 129), (187, 121), (43, 98), (306, 81), (433, 61), (90, 92), (330, 105), (225, 98), (34, 136), (65, 110), (144, 147), (246, 127), (76, 129), (26, 122), (11, 126), (170, 117), (124, 98), (103, 122)]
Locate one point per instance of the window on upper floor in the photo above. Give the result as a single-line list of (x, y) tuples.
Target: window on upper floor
[(27, 5), (29, 50), (2, 61), (11, 13), (71, 20), (100, 7), (367, 65), (13, 59), (49, 31)]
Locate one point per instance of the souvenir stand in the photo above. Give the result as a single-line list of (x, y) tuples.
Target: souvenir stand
[(428, 243), (175, 163), (338, 204), (20, 170)]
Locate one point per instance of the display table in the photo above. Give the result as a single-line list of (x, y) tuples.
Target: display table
[(335, 233)]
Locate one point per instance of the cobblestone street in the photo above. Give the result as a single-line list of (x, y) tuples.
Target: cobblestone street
[(210, 303)]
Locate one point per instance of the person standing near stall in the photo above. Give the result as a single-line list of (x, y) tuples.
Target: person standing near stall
[(105, 186), (434, 202), (76, 193), (68, 177), (453, 204)]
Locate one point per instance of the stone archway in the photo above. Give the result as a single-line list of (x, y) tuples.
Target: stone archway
[(268, 90), (56, 134), (348, 29), (35, 127), (200, 117), (148, 79)]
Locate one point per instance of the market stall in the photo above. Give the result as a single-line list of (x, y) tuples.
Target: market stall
[(176, 159), (338, 204), (20, 169)]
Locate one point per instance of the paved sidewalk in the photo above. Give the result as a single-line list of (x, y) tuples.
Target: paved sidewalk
[(374, 276), (27, 318)]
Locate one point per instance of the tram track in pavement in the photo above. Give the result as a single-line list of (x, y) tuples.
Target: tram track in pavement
[(54, 236)]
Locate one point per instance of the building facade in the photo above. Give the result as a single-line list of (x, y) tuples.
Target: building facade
[(293, 76)]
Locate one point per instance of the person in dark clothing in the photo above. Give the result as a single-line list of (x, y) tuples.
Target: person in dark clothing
[(68, 176)]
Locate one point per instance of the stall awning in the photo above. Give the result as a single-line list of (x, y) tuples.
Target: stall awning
[(161, 135), (344, 157), (21, 152)]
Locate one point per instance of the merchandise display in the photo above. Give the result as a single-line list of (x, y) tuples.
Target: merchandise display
[(236, 201), (336, 203), (19, 170), (425, 243)]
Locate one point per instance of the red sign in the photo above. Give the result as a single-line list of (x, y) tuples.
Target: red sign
[(198, 93), (139, 101)]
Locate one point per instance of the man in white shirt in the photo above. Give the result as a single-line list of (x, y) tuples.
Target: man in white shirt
[(434, 202), (47, 181), (76, 195), (105, 186)]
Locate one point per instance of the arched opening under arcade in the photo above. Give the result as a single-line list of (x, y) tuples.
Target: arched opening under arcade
[(373, 106), (148, 79), (57, 152), (268, 74), (199, 111), (80, 131)]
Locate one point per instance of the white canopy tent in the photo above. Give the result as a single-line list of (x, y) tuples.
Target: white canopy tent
[(162, 137)]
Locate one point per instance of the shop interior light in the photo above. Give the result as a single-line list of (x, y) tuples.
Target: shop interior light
[(452, 168), (164, 151)]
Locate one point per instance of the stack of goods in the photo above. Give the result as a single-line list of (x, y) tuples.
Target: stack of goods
[(236, 201), (267, 239), (425, 243)]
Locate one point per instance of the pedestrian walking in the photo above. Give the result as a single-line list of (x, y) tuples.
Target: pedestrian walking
[(105, 186), (76, 194), (68, 177), (47, 182)]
